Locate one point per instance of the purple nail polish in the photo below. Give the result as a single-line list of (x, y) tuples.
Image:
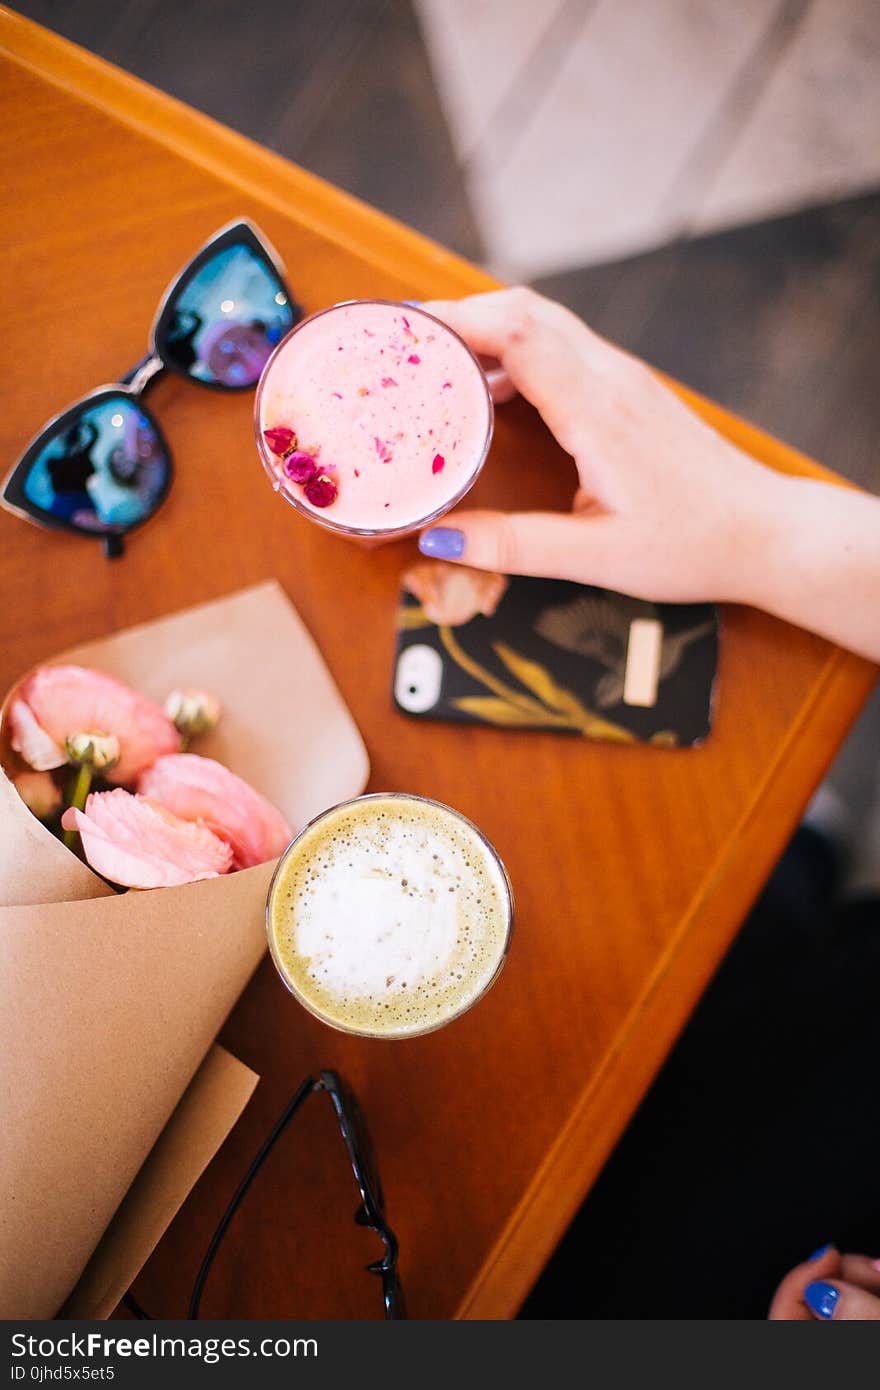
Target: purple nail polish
[(442, 543)]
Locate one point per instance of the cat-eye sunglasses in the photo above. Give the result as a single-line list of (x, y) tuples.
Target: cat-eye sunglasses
[(103, 467)]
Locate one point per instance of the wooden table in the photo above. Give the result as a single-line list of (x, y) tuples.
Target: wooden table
[(632, 866)]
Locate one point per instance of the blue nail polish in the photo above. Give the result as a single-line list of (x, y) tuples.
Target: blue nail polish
[(821, 1298), (442, 543), (413, 303), (817, 1254)]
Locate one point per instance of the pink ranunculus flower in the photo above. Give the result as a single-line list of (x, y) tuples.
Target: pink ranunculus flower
[(31, 740), (200, 789), (65, 700), (453, 594), (135, 842)]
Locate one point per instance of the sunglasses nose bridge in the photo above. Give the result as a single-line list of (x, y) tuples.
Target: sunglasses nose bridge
[(144, 374)]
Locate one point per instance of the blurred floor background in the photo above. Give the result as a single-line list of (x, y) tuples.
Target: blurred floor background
[(699, 179)]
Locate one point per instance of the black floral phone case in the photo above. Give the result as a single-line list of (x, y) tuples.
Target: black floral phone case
[(546, 654)]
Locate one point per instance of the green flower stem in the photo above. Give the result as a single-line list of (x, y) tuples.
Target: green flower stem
[(77, 798)]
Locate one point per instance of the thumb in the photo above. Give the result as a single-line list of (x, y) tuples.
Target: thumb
[(843, 1302), (553, 545)]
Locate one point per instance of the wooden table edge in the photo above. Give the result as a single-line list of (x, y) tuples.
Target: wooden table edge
[(567, 1172)]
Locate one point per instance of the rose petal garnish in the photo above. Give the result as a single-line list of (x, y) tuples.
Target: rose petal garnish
[(414, 358), (439, 464), (321, 491), (388, 381), (446, 385), (382, 449), (300, 467), (280, 439)]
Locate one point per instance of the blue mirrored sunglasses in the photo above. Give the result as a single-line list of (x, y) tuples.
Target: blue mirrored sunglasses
[(103, 467)]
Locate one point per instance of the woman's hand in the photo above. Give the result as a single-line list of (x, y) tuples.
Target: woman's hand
[(666, 509), (830, 1285), (665, 505)]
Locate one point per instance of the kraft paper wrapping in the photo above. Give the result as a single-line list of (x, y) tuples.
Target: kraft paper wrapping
[(109, 1002)]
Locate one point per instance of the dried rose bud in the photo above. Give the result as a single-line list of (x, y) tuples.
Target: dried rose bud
[(321, 491), (39, 793), (280, 440), (193, 711), (97, 751), (300, 467)]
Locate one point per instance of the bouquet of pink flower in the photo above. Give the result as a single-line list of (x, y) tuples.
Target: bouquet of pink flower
[(168, 817), (110, 1002)]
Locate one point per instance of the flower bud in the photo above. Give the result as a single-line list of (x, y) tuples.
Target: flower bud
[(193, 711), (100, 752), (39, 793)]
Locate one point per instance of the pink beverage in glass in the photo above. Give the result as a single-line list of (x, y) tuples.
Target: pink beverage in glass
[(373, 418)]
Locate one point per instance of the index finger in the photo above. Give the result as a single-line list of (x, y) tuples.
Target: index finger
[(548, 352)]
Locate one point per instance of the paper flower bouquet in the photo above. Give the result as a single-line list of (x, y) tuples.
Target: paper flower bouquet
[(111, 1000)]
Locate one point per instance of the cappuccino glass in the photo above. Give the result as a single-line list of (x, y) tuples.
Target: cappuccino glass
[(389, 915)]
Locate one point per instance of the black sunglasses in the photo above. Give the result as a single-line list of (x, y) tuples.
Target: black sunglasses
[(103, 467), (370, 1212)]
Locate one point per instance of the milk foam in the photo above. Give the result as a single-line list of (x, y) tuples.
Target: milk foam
[(390, 916)]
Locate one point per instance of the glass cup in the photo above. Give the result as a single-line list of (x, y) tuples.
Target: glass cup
[(383, 886), (391, 406)]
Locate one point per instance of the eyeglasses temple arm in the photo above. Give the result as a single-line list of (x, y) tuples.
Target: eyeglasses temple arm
[(278, 1129)]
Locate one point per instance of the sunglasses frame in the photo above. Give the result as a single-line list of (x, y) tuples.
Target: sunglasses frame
[(370, 1212), (241, 232), (13, 494), (134, 384)]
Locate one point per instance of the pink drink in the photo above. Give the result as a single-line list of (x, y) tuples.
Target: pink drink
[(390, 408)]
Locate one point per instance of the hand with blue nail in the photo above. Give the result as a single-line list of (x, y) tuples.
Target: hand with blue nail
[(664, 508), (829, 1285)]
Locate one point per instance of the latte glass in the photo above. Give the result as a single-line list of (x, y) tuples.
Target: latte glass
[(389, 916)]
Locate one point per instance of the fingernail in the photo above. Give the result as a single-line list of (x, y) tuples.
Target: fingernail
[(821, 1298), (442, 543), (875, 1264), (817, 1254), (413, 303)]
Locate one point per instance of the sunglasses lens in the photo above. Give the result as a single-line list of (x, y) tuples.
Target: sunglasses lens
[(224, 319), (103, 468)]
